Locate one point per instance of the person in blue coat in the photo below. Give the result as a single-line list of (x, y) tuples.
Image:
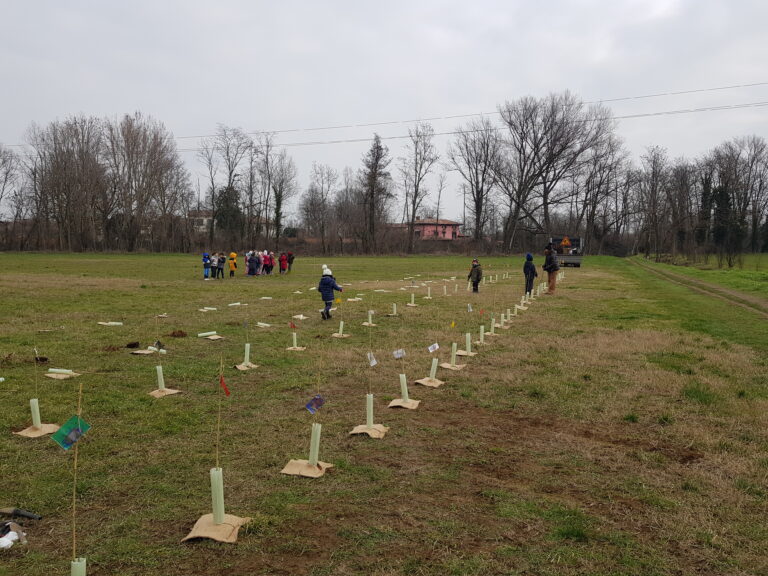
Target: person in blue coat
[(206, 265), (326, 287), (529, 271)]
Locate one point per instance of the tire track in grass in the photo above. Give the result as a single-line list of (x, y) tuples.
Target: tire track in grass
[(730, 296)]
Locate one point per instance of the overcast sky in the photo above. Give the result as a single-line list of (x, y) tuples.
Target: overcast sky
[(284, 65)]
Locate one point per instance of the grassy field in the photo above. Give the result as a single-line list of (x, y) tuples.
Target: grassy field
[(750, 278), (618, 427)]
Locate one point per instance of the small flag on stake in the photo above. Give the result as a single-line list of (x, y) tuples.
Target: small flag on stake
[(338, 300), (371, 359), (453, 324), (223, 385), (399, 353), (434, 348), (315, 404), (292, 325), (71, 432), (371, 312), (469, 307), (482, 312)]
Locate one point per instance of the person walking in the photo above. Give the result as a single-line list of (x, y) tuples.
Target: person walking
[(326, 287)]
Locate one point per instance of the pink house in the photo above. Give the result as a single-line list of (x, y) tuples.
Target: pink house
[(432, 229)]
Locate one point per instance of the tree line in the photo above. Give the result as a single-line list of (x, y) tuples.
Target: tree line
[(547, 165)]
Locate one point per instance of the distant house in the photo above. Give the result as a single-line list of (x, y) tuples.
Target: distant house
[(432, 229), (201, 220)]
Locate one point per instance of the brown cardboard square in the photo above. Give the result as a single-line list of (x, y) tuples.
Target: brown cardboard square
[(369, 324), (431, 382), (400, 403), (142, 352), (447, 366), (33, 432), (375, 431), (300, 317), (60, 376), (337, 335), (246, 366), (296, 348), (224, 532), (304, 468), (465, 353), (412, 305), (214, 337), (164, 392)]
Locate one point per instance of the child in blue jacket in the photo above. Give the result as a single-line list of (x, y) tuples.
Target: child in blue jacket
[(326, 287), (529, 270), (206, 265)]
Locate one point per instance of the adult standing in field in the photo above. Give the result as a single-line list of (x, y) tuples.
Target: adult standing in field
[(551, 266)]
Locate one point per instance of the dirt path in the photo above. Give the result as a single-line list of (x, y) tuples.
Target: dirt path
[(749, 301)]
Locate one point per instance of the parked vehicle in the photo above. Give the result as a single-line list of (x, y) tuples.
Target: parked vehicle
[(568, 250)]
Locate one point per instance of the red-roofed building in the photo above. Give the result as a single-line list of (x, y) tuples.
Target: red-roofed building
[(432, 229)]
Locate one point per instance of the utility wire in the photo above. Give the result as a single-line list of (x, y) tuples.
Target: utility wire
[(480, 114), (495, 112), (501, 127)]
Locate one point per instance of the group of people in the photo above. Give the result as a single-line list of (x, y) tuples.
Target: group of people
[(213, 264), (551, 267), (256, 263)]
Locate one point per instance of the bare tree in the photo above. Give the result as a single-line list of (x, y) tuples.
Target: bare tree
[(223, 155), (474, 155), (654, 178), (316, 203), (265, 144), (283, 188), (420, 158), (10, 174), (441, 177)]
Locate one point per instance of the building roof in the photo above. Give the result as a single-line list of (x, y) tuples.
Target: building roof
[(428, 222)]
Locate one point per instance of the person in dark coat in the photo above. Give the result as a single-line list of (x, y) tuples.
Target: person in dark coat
[(475, 275), (529, 271), (326, 287), (291, 258), (551, 266)]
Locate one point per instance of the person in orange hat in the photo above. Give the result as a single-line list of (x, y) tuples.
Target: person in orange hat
[(232, 264)]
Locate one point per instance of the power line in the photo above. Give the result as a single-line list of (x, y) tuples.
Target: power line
[(454, 132), (495, 112), (478, 114)]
